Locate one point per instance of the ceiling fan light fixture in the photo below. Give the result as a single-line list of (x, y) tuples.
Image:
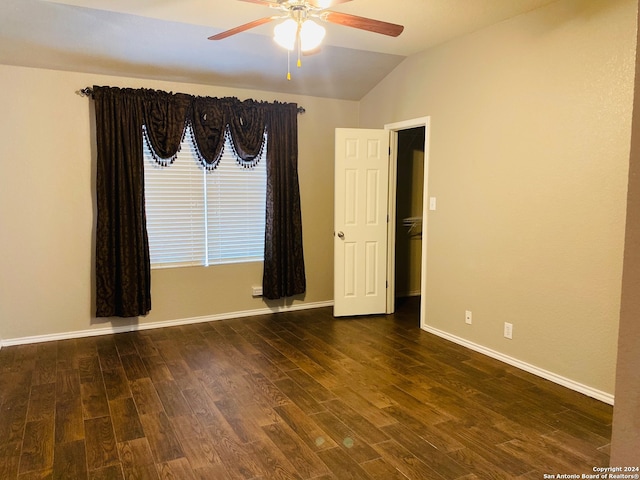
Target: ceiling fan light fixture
[(298, 32), (311, 35), (285, 34)]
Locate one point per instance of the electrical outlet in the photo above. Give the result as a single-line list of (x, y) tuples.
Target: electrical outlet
[(467, 317), (256, 291), (508, 330)]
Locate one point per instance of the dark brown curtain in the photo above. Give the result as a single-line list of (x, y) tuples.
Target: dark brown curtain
[(165, 116), (246, 127), (123, 268), (123, 280), (284, 273), (209, 123)]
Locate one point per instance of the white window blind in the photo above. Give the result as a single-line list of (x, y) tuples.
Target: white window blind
[(200, 217)]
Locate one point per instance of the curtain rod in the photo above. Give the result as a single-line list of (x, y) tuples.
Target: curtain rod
[(88, 92)]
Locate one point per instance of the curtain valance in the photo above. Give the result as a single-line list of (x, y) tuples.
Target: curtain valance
[(124, 117), (166, 116)]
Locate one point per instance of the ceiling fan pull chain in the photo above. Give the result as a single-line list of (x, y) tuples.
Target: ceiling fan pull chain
[(299, 43), (288, 65)]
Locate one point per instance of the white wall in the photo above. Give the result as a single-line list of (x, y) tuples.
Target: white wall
[(531, 122), (47, 176)]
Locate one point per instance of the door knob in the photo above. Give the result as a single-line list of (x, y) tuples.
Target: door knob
[(340, 235)]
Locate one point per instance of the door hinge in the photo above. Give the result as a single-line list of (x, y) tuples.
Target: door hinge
[(387, 218), (386, 284)]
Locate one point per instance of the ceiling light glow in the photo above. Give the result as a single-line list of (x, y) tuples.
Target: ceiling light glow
[(310, 34), (285, 34)]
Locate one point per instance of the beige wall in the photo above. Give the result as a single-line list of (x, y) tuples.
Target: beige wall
[(47, 174), (531, 122)]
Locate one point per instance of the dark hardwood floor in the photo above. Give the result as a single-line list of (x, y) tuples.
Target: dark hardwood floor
[(296, 395)]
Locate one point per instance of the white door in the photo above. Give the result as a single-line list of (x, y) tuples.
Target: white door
[(360, 221)]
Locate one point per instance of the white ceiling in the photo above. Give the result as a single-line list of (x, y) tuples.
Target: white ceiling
[(167, 39)]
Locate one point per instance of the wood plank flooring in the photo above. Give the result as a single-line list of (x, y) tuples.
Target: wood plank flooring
[(296, 395)]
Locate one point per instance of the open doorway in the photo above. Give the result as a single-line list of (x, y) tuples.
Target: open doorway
[(408, 219), (409, 159)]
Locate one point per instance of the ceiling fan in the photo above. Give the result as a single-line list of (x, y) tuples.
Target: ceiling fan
[(299, 28)]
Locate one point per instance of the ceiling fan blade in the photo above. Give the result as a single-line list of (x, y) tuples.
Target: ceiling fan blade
[(321, 3), (241, 28), (363, 23), (263, 2), (316, 3)]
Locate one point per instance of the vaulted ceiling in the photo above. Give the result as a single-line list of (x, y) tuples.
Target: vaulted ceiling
[(167, 39)]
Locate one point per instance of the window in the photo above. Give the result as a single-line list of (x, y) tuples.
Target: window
[(200, 217)]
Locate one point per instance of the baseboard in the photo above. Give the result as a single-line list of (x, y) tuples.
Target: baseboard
[(540, 372), (165, 323)]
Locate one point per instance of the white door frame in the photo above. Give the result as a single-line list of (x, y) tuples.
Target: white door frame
[(394, 128)]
